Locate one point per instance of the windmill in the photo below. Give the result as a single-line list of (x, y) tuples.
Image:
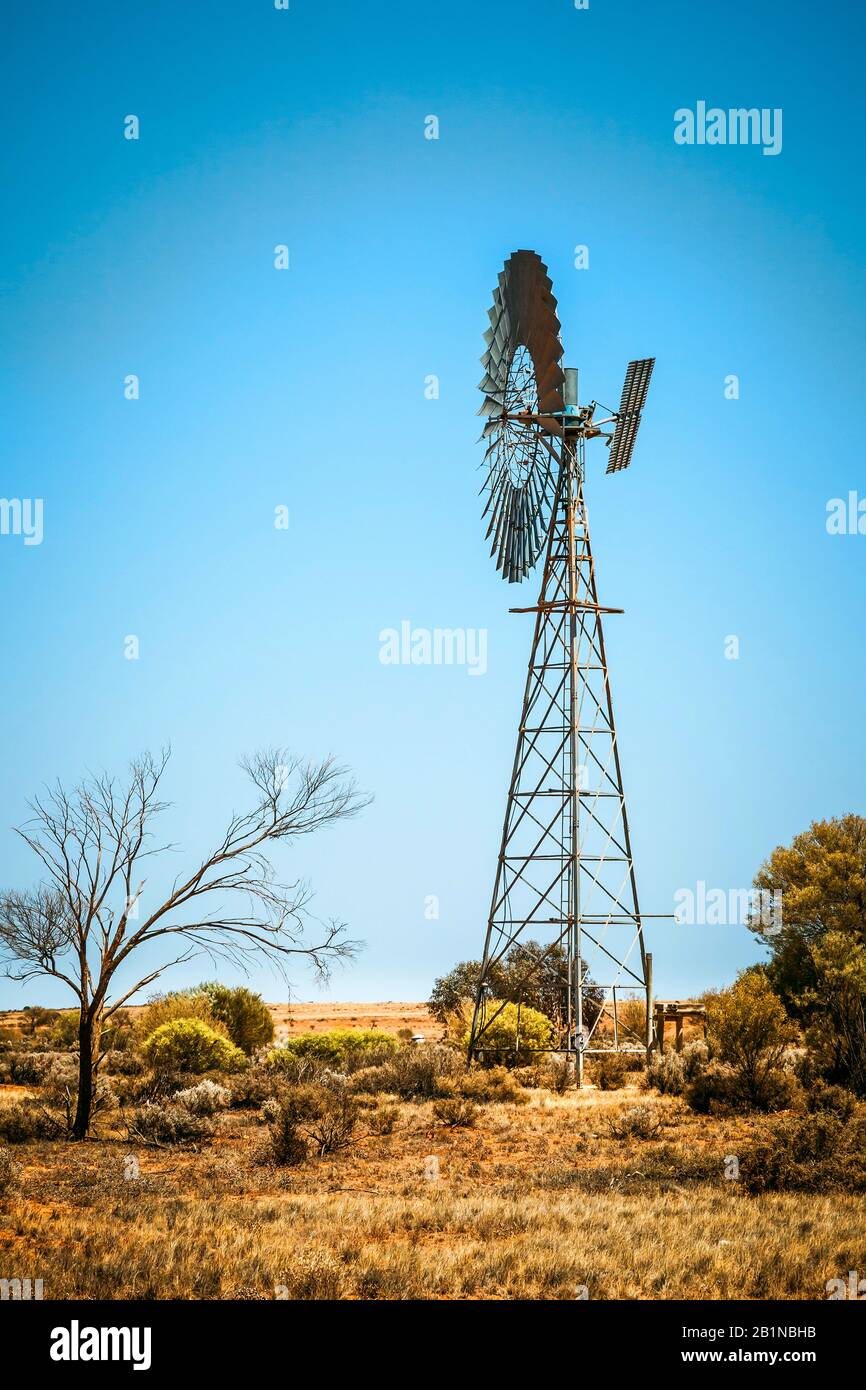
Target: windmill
[(565, 904)]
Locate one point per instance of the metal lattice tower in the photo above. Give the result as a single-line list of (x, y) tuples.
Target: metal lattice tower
[(565, 875)]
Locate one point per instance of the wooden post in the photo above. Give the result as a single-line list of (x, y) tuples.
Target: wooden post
[(679, 1038), (650, 1006), (660, 1029)]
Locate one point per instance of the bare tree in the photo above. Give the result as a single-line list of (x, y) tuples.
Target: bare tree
[(81, 924)]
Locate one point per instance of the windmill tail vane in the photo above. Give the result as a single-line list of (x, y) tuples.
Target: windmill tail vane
[(564, 910)]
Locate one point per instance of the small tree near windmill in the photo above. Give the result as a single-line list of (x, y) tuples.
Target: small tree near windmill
[(86, 919)]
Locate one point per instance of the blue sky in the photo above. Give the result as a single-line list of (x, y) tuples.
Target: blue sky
[(305, 388)]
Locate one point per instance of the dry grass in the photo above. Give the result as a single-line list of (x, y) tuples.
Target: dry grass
[(533, 1202), (391, 1016)]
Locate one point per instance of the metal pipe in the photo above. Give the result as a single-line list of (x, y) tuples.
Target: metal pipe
[(570, 462)]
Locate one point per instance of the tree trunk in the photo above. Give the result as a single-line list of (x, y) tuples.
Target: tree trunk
[(89, 1034)]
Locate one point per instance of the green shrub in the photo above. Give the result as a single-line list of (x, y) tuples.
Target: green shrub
[(153, 1123), (324, 1117), (252, 1087), (329, 1119), (122, 1063), (513, 1032), (554, 1072), (345, 1049), (383, 1119), (835, 1100), (635, 1122), (190, 1045), (64, 1032), (780, 1090), (631, 1015), (491, 1084), (183, 1003), (36, 1017), (246, 1016), (533, 1075), (20, 1123), (609, 1070), (137, 1090), (666, 1073), (455, 1111), (721, 1086), (414, 1073), (17, 1123), (289, 1068), (372, 1081), (834, 1000), (672, 1072), (120, 1033), (204, 1099), (748, 1029), (713, 1085), (286, 1146), (62, 1075), (31, 1068), (817, 1152)]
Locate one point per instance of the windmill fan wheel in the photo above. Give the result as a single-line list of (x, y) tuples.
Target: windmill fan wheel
[(523, 376)]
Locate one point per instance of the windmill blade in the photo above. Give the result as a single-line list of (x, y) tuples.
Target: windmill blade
[(504, 530), (524, 539), (501, 514), (508, 531), (490, 385), (497, 496), (521, 394), (634, 394), (514, 538)]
